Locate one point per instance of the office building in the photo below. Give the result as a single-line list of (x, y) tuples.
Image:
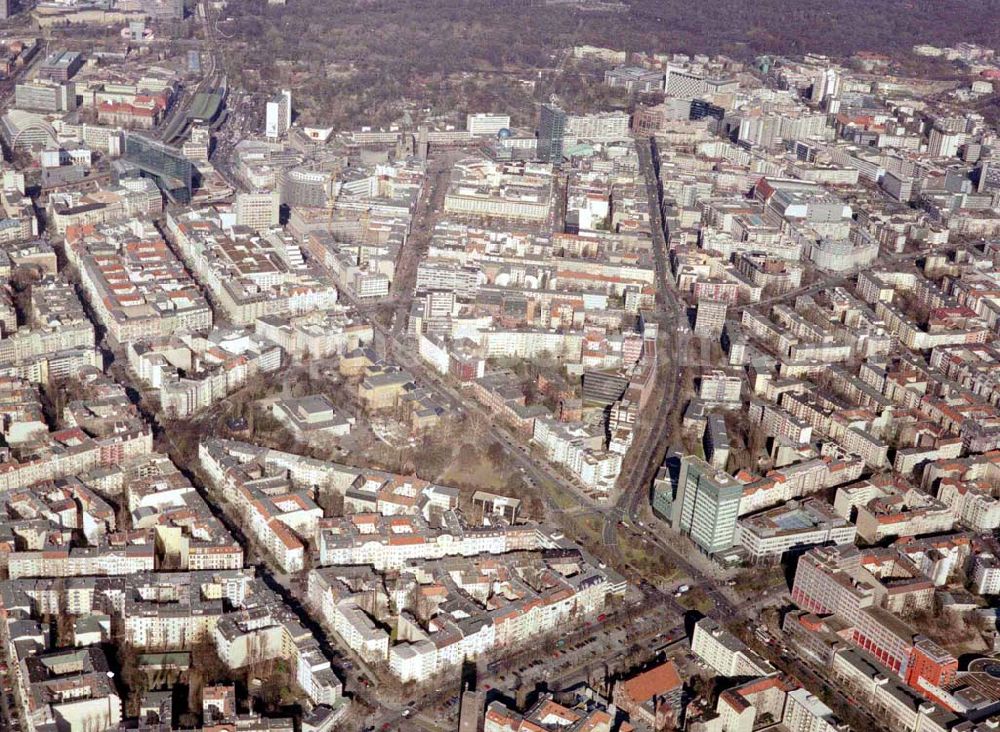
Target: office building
[(22, 130), (259, 210), (551, 130), (701, 109), (45, 97), (634, 79), (198, 145), (304, 187), (792, 527), (60, 66), (485, 123), (684, 84), (519, 191), (605, 127), (173, 173), (278, 115), (661, 118), (706, 505)]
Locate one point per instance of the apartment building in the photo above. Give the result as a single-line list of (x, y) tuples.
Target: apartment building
[(134, 283), (725, 653), (193, 372), (72, 688), (966, 487), (719, 387), (544, 712), (265, 630), (248, 275), (653, 698), (315, 335), (276, 512), (799, 479), (804, 712), (884, 507), (580, 449), (739, 708), (140, 198), (710, 317), (604, 127)]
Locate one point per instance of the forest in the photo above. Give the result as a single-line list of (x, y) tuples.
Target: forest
[(372, 60)]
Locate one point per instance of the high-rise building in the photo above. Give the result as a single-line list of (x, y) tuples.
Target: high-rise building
[(825, 85), (278, 115), (259, 210), (716, 441), (471, 715), (551, 130), (706, 506), (989, 177), (943, 143), (710, 318), (681, 83)]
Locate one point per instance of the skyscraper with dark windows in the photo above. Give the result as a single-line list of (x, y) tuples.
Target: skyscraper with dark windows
[(701, 109), (173, 173), (551, 130)]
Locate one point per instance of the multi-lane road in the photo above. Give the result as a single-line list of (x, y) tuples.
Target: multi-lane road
[(622, 518), (419, 239)]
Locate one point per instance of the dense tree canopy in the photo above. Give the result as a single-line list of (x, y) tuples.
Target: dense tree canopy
[(373, 59)]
